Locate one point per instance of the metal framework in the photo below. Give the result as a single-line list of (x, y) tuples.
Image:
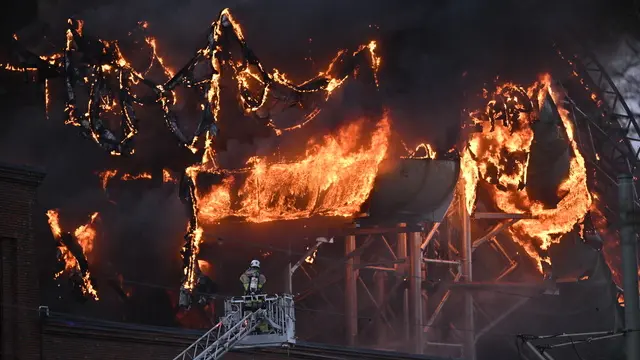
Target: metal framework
[(614, 136), (607, 129), (219, 340), (400, 274), (243, 315), (612, 126), (543, 352), (404, 254)]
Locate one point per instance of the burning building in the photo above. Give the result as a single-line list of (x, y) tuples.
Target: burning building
[(427, 249)]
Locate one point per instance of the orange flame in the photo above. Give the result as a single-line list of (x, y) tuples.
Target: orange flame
[(190, 271), (167, 177), (85, 235), (333, 179), (54, 223), (429, 152), (498, 148), (107, 175), (130, 177)]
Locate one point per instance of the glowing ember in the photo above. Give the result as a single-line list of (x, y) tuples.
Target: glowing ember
[(311, 258), (85, 236), (205, 267), (333, 179), (166, 177), (422, 151), (500, 156), (107, 175), (129, 177)]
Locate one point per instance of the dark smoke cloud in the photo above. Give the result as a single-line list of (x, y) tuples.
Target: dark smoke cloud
[(436, 54)]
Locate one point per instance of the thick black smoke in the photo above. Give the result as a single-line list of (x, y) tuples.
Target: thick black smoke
[(436, 56)]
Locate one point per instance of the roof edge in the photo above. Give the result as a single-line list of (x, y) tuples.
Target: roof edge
[(21, 174)]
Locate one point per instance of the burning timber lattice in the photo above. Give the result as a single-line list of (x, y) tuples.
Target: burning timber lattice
[(100, 67)]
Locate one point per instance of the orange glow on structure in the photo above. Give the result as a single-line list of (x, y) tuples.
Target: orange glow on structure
[(333, 179), (107, 175), (167, 177), (85, 236), (205, 267), (498, 149)]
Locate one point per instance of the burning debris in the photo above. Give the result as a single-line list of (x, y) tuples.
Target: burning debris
[(108, 175), (499, 156), (72, 253)]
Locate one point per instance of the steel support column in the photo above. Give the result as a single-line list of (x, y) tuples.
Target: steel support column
[(535, 351), (351, 291), (415, 292), (288, 280), (629, 247), (380, 278), (466, 251), (401, 253)]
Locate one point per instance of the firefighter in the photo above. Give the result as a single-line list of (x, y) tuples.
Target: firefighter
[(252, 279)]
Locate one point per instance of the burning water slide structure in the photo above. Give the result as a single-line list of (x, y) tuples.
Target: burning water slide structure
[(412, 218), (516, 204)]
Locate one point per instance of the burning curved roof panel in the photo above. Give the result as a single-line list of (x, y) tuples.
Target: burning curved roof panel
[(413, 190)]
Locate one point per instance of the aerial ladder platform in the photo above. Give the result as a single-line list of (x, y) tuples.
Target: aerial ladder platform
[(251, 321)]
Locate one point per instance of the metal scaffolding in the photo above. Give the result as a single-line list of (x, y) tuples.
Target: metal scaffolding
[(607, 136)]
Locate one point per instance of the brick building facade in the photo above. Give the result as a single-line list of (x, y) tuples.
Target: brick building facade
[(20, 330)]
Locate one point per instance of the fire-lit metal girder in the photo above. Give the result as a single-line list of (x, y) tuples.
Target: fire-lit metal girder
[(611, 124)]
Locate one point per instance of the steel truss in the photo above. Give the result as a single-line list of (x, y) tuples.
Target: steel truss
[(401, 273), (608, 119), (608, 131)]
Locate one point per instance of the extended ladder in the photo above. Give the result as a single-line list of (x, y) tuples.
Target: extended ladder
[(215, 343), (252, 321)]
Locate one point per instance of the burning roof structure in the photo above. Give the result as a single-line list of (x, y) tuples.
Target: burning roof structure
[(100, 67)]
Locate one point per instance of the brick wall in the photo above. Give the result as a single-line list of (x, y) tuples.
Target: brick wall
[(20, 292), (66, 339), (69, 340)]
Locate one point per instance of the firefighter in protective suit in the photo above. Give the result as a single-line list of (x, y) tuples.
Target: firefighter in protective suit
[(252, 279)]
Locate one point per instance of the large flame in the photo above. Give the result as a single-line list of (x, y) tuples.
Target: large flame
[(333, 179), (85, 236), (507, 149)]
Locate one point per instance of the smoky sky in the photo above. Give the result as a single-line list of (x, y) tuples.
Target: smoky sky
[(436, 55)]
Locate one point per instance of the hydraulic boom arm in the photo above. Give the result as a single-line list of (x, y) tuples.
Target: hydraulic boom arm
[(216, 342)]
